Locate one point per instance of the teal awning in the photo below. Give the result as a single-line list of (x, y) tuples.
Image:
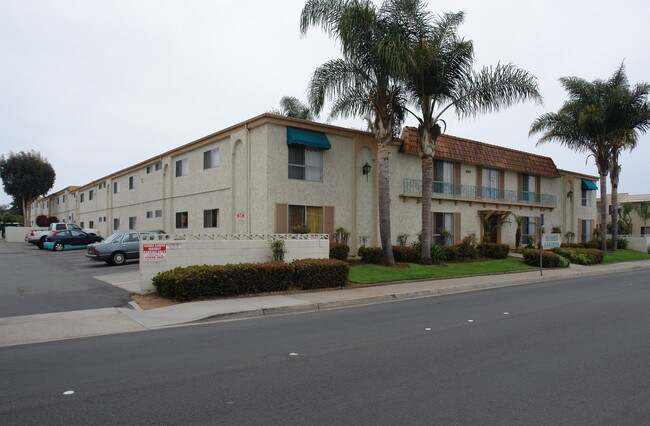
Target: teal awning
[(307, 137), (590, 185)]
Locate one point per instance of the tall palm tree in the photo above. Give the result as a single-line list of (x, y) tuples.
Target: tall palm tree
[(439, 77), (631, 114), (363, 82), (292, 107), (582, 125)]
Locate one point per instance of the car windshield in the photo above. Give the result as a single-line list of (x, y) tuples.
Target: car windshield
[(113, 238)]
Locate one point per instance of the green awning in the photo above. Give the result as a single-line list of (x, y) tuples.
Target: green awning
[(590, 185), (307, 137)]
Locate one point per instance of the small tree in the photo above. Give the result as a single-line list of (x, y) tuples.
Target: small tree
[(26, 176), (643, 210), (519, 220)]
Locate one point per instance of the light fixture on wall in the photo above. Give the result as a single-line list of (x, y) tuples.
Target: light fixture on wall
[(569, 195), (365, 169)]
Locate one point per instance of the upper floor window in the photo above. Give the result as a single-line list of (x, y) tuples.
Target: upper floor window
[(443, 177), (305, 163), (529, 187), (133, 183), (81, 198), (63, 199), (211, 159), (116, 187), (182, 167), (90, 195), (490, 183), (586, 197)]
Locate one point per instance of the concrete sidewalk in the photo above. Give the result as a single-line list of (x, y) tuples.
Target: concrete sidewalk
[(57, 326)]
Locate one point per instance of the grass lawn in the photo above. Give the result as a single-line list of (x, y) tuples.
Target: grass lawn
[(372, 274), (624, 255)]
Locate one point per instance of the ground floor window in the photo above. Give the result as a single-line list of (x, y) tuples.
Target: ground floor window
[(306, 218), (443, 229), (116, 224), (182, 220), (585, 226), (645, 230), (211, 218), (158, 213), (529, 230), (91, 224), (132, 222), (149, 214)]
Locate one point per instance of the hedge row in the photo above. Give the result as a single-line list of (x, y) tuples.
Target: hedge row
[(339, 251), (549, 259), (211, 281), (580, 256), (494, 250), (595, 244), (438, 253)]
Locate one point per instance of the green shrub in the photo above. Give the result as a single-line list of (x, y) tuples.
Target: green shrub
[(621, 243), (339, 251), (371, 254), (451, 253), (405, 254), (580, 256), (571, 245), (438, 253), (300, 229), (493, 250), (467, 248), (593, 244), (549, 259), (310, 274), (213, 281)]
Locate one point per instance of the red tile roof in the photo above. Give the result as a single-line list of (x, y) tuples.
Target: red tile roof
[(473, 152)]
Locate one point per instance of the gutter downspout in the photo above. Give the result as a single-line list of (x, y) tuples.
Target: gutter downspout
[(248, 177)]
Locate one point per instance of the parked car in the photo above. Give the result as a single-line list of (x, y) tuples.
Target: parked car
[(37, 237), (69, 239), (119, 247)]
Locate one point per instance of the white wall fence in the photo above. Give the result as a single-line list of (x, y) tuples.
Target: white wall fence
[(638, 243), (16, 234), (164, 252)]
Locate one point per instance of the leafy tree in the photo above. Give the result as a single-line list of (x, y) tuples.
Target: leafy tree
[(26, 176), (643, 210), (439, 77), (364, 82), (582, 125), (631, 115), (292, 107)]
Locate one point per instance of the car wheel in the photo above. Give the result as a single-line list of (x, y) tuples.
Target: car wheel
[(58, 246), (118, 258)]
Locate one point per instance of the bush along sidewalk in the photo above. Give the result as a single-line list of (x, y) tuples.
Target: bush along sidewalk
[(213, 281), (549, 259)]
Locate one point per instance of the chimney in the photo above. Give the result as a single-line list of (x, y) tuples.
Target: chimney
[(409, 140)]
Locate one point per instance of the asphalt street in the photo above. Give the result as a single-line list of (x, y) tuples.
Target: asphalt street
[(34, 281), (565, 352)]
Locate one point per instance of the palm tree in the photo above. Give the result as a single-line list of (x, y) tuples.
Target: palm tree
[(631, 113), (363, 82), (581, 124), (292, 107), (439, 77)]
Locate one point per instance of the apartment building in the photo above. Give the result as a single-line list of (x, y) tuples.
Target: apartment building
[(272, 173)]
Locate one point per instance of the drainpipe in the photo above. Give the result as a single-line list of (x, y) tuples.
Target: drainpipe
[(248, 178)]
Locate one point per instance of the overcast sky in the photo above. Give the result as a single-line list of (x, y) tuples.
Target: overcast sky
[(97, 86)]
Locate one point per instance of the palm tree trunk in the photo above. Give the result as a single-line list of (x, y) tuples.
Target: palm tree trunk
[(614, 177), (427, 185), (383, 186), (603, 210)]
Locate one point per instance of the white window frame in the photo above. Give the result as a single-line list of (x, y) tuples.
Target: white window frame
[(211, 159), (184, 168), (311, 166), (211, 216)]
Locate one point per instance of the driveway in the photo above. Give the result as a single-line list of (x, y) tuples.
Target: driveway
[(34, 281)]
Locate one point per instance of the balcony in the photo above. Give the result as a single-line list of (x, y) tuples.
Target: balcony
[(412, 188)]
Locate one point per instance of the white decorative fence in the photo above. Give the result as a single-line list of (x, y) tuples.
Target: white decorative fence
[(162, 252)]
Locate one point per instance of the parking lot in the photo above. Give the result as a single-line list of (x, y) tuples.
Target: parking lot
[(34, 281)]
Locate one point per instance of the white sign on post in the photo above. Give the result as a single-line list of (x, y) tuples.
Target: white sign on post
[(550, 241)]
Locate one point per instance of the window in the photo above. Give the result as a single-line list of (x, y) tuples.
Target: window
[(305, 163), (81, 224), (149, 169), (182, 167), (645, 230), (91, 224), (90, 195), (116, 224), (132, 182), (211, 159), (443, 229), (310, 217), (528, 230), (181, 220), (158, 213), (116, 187), (58, 200), (101, 185), (443, 177), (81, 198), (149, 214), (490, 183), (158, 166), (211, 218), (585, 227), (586, 197), (132, 222), (529, 188), (99, 219), (63, 200)]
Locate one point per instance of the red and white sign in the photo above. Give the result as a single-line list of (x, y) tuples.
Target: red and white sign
[(240, 218), (154, 252)]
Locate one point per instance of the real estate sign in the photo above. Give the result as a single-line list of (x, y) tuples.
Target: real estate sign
[(154, 252)]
